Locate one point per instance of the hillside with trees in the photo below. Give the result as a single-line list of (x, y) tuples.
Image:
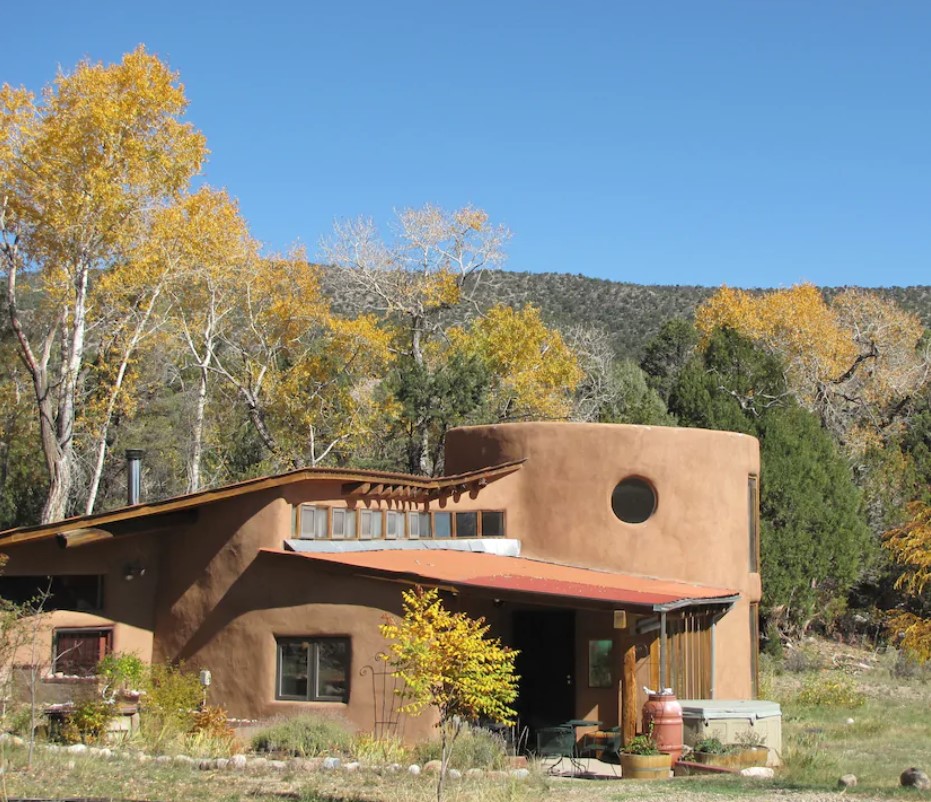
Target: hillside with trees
[(140, 312)]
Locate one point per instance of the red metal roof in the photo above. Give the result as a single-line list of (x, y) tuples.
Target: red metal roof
[(493, 572)]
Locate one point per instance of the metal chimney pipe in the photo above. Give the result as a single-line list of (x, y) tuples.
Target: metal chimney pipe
[(133, 475)]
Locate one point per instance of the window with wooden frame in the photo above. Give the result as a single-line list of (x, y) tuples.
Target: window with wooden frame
[(343, 524), (467, 524), (394, 525), (76, 652), (753, 522), (318, 522), (313, 522), (370, 524), (492, 523), (442, 525), (313, 669), (418, 525)]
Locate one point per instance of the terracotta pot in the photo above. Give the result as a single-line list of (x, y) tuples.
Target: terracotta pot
[(646, 767)]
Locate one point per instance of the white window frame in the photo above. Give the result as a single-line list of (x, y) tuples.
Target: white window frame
[(366, 520), (396, 517), (320, 515), (343, 519)]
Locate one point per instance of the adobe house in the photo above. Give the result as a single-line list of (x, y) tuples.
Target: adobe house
[(611, 556)]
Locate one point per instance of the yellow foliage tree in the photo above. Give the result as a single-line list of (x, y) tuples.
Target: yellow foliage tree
[(205, 246), (435, 262), (855, 361), (910, 547), (306, 376), (84, 169), (535, 372), (447, 661)]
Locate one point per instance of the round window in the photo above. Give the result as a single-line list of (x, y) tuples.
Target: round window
[(633, 500)]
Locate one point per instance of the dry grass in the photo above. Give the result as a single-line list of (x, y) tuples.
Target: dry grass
[(891, 731)]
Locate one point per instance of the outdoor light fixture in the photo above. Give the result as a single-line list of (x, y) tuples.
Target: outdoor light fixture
[(132, 570)]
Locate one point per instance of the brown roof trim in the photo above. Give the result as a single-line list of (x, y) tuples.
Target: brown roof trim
[(400, 485)]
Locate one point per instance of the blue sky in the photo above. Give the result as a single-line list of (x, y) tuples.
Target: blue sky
[(757, 143)]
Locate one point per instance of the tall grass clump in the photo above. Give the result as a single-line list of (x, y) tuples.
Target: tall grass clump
[(830, 690), (305, 736), (475, 748), (383, 751)]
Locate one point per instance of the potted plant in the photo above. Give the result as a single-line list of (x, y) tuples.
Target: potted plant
[(751, 748), (641, 759), (712, 752)]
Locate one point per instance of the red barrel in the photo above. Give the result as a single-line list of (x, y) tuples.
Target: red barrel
[(664, 713)]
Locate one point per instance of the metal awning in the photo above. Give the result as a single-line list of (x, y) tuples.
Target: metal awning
[(508, 576)]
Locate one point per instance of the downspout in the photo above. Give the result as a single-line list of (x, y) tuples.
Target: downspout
[(662, 652), (714, 631)]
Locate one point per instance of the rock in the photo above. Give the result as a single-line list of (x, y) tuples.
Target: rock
[(206, 764), (163, 759), (77, 749), (238, 762), (847, 781), (393, 768), (17, 741), (352, 765), (258, 763), (915, 778), (475, 773), (330, 763), (183, 760), (413, 770), (278, 765), (759, 772), (454, 774), (432, 767), (222, 762), (519, 774), (106, 754), (93, 751), (850, 721)]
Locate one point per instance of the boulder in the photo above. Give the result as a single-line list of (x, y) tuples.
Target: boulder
[(432, 767), (847, 781), (915, 778), (759, 772)]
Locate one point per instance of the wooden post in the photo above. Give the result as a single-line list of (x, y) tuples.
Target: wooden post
[(629, 694)]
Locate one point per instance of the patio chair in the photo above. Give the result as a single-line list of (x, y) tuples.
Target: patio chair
[(558, 741)]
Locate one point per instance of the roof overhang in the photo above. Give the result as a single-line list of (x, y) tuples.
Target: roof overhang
[(500, 576), (180, 510)]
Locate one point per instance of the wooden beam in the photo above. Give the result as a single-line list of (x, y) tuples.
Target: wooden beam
[(629, 693), (356, 488), (81, 537)]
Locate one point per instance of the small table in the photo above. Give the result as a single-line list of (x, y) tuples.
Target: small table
[(576, 724)]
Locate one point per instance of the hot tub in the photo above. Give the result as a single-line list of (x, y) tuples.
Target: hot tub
[(728, 719)]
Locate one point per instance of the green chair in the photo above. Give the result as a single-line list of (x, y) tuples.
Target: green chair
[(558, 741)]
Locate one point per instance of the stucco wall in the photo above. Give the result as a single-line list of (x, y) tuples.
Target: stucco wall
[(128, 605), (559, 506)]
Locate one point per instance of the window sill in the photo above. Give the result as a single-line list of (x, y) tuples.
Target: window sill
[(66, 679)]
